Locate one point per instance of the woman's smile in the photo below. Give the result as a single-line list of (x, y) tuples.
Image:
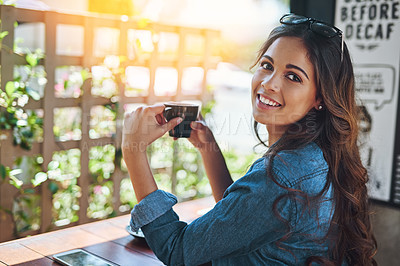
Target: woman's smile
[(264, 102)]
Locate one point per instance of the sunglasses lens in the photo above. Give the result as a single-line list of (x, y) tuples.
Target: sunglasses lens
[(293, 19), (323, 29), (315, 26)]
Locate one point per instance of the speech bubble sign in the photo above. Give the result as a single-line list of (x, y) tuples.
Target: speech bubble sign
[(375, 83)]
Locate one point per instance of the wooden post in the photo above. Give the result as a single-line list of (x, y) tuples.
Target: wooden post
[(151, 98), (7, 16), (208, 35), (86, 104), (181, 62), (83, 180), (118, 174), (87, 60), (7, 192), (49, 145)]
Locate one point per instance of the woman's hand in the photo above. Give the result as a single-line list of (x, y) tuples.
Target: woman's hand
[(141, 128), (201, 136), (144, 126), (214, 162)]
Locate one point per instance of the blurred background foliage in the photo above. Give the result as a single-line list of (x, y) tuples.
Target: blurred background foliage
[(183, 176), (176, 165)]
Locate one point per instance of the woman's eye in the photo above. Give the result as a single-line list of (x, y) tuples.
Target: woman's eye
[(293, 77), (267, 66)]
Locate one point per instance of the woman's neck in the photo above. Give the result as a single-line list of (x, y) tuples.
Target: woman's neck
[(275, 133), (272, 140)]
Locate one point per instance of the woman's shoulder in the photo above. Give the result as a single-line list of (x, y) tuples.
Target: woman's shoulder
[(291, 167), (310, 152), (295, 166), (308, 157)]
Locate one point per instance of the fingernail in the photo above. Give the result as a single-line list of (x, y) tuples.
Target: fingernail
[(179, 120)]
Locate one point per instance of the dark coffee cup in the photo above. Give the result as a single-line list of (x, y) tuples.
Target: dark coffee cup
[(188, 112)]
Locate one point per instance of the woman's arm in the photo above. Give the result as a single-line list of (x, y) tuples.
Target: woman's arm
[(214, 162), (141, 128), (238, 224), (139, 171)]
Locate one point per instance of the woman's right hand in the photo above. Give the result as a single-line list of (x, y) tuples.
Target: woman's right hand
[(214, 163), (201, 136)]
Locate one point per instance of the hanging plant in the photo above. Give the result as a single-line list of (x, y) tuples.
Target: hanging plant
[(24, 125)]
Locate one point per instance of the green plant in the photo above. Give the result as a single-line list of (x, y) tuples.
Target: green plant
[(176, 165), (127, 195), (25, 212), (8, 2), (101, 167), (69, 81), (238, 163), (100, 201), (25, 125), (107, 77), (103, 120), (63, 173)]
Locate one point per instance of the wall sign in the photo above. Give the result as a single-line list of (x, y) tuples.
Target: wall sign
[(371, 30)]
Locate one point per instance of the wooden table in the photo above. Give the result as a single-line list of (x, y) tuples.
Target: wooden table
[(107, 239)]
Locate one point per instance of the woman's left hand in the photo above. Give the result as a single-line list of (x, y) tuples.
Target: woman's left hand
[(144, 126)]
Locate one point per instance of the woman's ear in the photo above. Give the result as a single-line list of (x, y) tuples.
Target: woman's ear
[(319, 105)]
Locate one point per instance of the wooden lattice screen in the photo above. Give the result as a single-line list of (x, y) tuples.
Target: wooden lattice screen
[(8, 153)]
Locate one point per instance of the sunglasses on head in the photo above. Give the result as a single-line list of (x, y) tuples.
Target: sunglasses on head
[(316, 26)]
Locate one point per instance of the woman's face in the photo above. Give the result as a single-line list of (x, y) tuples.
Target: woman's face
[(283, 86)]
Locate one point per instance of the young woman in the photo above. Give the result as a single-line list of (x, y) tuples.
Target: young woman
[(305, 201)]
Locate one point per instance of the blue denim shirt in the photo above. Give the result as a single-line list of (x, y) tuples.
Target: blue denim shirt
[(242, 228)]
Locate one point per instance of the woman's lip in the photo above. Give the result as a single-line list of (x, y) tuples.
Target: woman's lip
[(266, 106), (260, 94), (261, 105)]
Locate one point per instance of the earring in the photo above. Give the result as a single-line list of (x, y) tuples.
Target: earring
[(320, 107)]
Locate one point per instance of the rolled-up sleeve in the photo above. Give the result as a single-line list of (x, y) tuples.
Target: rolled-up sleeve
[(239, 223), (151, 207)]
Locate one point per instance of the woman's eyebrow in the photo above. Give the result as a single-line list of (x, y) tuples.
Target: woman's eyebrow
[(288, 65), (298, 68), (269, 58)]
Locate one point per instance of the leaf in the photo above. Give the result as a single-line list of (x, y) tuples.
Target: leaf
[(39, 178), (53, 187), (21, 123), (15, 181), (10, 88), (25, 145), (85, 74), (15, 172), (3, 34), (31, 59), (8, 211), (39, 54), (33, 93), (29, 191), (53, 165), (3, 171)]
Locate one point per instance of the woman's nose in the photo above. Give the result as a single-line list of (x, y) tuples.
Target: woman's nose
[(271, 83)]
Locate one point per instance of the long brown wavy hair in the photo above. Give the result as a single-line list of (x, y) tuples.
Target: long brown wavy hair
[(335, 130)]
